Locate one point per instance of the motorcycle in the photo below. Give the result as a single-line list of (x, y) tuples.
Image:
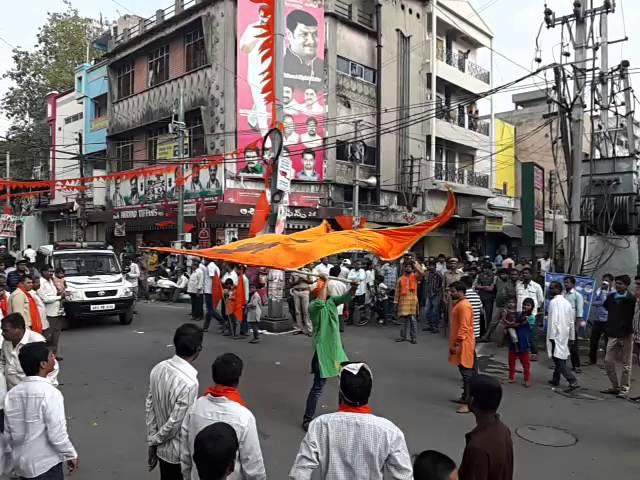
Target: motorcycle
[(170, 290)]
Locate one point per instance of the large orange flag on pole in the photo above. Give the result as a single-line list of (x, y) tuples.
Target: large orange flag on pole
[(293, 251)]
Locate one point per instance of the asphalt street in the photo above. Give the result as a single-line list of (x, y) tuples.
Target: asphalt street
[(105, 376)]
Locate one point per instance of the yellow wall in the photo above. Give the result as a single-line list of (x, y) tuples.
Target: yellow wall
[(505, 157)]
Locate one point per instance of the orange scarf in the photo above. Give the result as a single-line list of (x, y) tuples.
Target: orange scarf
[(34, 312), (408, 284), (230, 393), (4, 305), (351, 409)]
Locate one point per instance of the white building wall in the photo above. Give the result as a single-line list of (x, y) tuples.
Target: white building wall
[(66, 143)]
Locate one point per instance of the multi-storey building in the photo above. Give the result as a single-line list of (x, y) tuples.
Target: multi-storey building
[(377, 57)]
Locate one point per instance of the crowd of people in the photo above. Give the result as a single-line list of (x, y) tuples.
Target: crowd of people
[(215, 436)]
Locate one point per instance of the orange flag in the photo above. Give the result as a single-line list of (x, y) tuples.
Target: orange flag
[(216, 290), (287, 252), (261, 215), (240, 299)]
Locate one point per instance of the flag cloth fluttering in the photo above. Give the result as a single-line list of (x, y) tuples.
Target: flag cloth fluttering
[(286, 252)]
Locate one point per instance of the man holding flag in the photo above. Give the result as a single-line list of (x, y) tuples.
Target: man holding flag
[(327, 344)]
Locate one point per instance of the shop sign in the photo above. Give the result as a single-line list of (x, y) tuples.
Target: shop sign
[(493, 224), (8, 225), (136, 213), (291, 213)]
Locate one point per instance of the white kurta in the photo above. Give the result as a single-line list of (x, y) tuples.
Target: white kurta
[(560, 327)]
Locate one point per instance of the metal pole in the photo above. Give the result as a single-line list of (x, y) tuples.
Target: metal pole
[(356, 178), (83, 213), (434, 82), (552, 204), (628, 101), (180, 173), (379, 100), (577, 131), (8, 172), (492, 129), (604, 84)]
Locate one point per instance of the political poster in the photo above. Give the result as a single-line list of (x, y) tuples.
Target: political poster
[(303, 94), (8, 226), (585, 286)]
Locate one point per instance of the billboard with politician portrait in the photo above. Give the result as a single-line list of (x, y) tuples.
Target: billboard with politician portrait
[(303, 94)]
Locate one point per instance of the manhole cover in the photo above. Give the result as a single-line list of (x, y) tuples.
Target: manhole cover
[(546, 436)]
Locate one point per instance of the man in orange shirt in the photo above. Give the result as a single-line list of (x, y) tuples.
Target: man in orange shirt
[(462, 343)]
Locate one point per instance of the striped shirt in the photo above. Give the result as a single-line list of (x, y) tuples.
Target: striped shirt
[(173, 388), (435, 282), (476, 305)]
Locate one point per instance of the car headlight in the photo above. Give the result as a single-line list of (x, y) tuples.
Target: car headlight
[(127, 292), (73, 295)]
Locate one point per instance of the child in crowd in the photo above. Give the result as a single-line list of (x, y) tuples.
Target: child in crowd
[(510, 322), (254, 312), (227, 307), (521, 348)]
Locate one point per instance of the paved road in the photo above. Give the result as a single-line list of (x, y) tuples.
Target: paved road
[(106, 366)]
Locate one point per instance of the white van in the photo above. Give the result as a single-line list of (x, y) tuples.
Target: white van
[(96, 284)]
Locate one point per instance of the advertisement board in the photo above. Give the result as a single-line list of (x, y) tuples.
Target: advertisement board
[(150, 190), (585, 286), (538, 202), (8, 226), (532, 204), (303, 93)]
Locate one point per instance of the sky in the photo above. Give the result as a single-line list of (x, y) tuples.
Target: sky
[(515, 24)]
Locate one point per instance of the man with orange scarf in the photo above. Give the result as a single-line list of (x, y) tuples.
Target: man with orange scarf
[(462, 342), (4, 299), (222, 403), (22, 302), (406, 299)]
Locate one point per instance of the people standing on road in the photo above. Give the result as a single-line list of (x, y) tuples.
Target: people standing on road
[(621, 306), (254, 313), (434, 283), (59, 280), (300, 288), (451, 275), (441, 264), (406, 300), (336, 288), (173, 389), (505, 290), (29, 254), (389, 272), (54, 309), (222, 402), (519, 339), (215, 450), (35, 421), (210, 282), (16, 336), (23, 303), (527, 288), (476, 304), (323, 267), (345, 268), (508, 262), (328, 353), (485, 285), (488, 454), (13, 277), (132, 275), (462, 343), (600, 320), (194, 289), (42, 309), (359, 276), (352, 443), (143, 279), (577, 303), (560, 331), (432, 465)]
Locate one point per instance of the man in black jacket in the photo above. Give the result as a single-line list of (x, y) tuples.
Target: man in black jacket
[(621, 306), (13, 278)]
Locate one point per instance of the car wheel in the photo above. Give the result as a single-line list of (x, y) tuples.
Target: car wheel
[(127, 317)]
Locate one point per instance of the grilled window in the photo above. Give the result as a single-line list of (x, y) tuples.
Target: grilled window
[(159, 65)]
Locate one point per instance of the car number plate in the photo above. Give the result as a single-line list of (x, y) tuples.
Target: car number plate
[(106, 306)]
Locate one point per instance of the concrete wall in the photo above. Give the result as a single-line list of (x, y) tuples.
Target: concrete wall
[(66, 138)]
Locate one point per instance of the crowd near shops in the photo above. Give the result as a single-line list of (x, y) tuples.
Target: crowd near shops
[(471, 301)]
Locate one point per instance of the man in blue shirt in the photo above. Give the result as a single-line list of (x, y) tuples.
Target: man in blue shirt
[(600, 319)]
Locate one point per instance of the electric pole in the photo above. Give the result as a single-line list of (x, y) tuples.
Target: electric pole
[(8, 172), (356, 158), (604, 85), (82, 216), (179, 127)]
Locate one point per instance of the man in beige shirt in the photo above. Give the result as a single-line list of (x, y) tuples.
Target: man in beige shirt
[(19, 302)]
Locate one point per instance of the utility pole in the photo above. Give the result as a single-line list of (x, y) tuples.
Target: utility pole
[(356, 158), (379, 100), (8, 176), (629, 104), (604, 85), (552, 205), (179, 127), (82, 217)]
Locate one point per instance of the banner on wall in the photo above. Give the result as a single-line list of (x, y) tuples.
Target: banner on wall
[(532, 204), (303, 93), (201, 183), (585, 286), (8, 226)]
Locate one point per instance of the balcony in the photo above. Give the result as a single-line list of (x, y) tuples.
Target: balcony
[(354, 14), (462, 176), (463, 64)]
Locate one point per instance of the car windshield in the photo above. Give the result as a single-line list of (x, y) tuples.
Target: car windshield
[(75, 264)]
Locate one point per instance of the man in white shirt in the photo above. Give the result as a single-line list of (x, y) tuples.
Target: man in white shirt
[(359, 276), (323, 268), (336, 288), (353, 443), (195, 288), (222, 403), (544, 264), (54, 309), (35, 421), (560, 331), (16, 336), (344, 268), (173, 389), (133, 275), (30, 255), (210, 273), (527, 288)]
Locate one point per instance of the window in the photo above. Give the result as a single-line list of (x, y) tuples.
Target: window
[(152, 142), (159, 65), (73, 118), (125, 81), (124, 154), (79, 84), (100, 106), (356, 70), (197, 143), (195, 53)]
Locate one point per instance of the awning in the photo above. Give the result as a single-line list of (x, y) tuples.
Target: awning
[(486, 212), (512, 231)]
